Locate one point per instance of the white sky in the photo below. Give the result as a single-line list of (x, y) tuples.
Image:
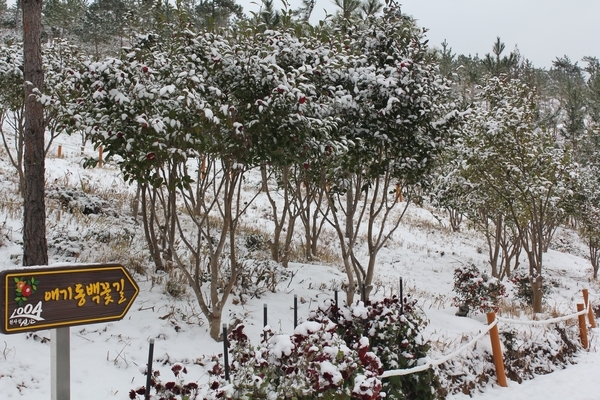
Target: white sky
[(542, 29)]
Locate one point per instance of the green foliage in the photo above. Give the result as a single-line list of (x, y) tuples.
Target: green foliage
[(523, 291), (393, 327), (478, 291), (313, 363)]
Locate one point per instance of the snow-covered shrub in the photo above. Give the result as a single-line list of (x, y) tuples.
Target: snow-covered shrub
[(522, 289), (172, 390), (313, 363), (476, 290), (526, 353), (394, 332)]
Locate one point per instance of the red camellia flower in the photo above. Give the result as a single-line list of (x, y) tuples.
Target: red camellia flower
[(145, 69), (306, 165), (302, 100), (151, 156), (26, 290)]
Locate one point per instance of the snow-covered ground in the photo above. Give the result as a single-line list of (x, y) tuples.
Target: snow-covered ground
[(107, 359)]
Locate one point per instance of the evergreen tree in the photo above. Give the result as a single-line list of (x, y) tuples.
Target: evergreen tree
[(268, 15), (570, 86), (211, 14), (104, 24), (62, 18), (497, 64), (370, 8)]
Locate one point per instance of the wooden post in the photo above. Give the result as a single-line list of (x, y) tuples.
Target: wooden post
[(590, 310), (60, 151), (100, 152), (398, 193), (582, 327), (497, 351)]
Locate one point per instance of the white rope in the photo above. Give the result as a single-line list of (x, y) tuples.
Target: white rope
[(545, 321), (434, 363)]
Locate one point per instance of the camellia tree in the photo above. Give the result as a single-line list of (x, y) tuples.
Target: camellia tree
[(57, 90), (150, 110), (519, 170), (586, 209), (186, 120), (458, 188), (395, 116), (270, 78)]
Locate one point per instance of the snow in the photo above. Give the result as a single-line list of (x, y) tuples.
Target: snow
[(107, 359)]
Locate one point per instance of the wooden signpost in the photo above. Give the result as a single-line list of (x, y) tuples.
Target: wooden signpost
[(60, 297), (42, 298)]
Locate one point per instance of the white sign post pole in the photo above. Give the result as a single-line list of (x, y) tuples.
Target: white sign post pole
[(60, 345)]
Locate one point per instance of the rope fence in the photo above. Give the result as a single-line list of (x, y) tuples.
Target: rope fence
[(435, 363), (583, 309)]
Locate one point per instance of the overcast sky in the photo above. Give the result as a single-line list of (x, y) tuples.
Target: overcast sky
[(542, 29)]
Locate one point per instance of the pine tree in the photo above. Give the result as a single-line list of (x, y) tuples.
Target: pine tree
[(497, 64), (211, 14)]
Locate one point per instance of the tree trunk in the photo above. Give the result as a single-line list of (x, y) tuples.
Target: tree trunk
[(536, 287), (35, 247), (350, 210), (215, 326)]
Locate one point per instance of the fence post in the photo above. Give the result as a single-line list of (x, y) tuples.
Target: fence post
[(226, 352), (363, 292), (60, 151), (401, 297), (295, 311), (149, 367), (399, 198), (264, 315), (100, 153), (582, 327), (497, 350), (590, 310)]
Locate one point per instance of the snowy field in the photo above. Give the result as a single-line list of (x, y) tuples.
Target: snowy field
[(107, 360)]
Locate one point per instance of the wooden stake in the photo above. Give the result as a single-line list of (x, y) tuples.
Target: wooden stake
[(497, 351), (398, 193), (590, 310), (100, 152), (60, 151), (582, 327)]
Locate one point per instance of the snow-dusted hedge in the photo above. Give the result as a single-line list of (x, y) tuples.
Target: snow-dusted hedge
[(313, 363), (394, 330), (476, 290)]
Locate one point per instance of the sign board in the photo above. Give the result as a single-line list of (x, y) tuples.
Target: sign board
[(43, 298)]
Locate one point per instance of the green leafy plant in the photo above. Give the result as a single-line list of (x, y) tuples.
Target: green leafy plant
[(476, 290), (393, 327), (522, 287)]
